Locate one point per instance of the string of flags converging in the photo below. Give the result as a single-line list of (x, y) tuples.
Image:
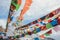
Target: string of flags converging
[(51, 23), (38, 29)]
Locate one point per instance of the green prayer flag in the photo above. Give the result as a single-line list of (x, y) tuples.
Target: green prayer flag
[(49, 25)]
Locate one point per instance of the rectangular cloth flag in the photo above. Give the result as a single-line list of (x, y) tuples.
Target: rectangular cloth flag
[(57, 28)]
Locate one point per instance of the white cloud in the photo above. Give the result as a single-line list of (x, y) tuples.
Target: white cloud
[(40, 8), (3, 23)]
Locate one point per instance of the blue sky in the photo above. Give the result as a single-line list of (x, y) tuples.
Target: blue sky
[(38, 9), (4, 9)]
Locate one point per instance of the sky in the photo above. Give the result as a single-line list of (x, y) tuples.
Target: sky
[(38, 9), (4, 11)]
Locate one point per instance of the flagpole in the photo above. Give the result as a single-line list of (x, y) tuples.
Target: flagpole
[(14, 6), (7, 22)]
